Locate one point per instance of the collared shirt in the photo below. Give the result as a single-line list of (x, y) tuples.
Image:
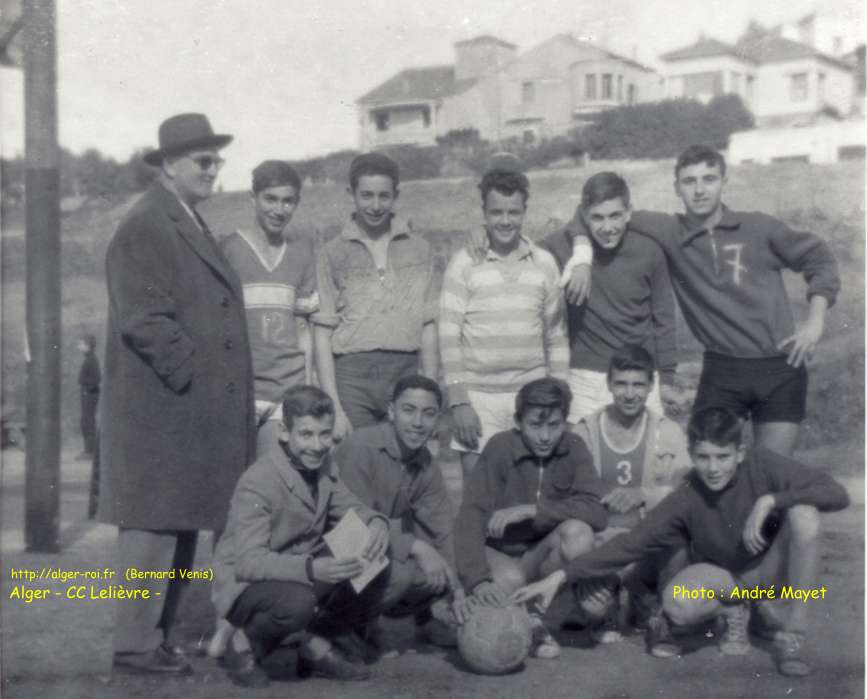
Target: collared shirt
[(563, 486), (728, 279), (501, 321), (375, 309), (411, 491)]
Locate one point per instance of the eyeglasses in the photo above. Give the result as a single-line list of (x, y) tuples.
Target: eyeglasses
[(206, 162)]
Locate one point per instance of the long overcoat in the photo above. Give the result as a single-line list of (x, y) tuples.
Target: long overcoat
[(178, 417)]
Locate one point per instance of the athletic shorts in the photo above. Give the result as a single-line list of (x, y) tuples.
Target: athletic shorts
[(496, 412), (764, 389), (590, 393)]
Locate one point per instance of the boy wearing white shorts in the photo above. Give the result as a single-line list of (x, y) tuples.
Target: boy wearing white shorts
[(501, 319)]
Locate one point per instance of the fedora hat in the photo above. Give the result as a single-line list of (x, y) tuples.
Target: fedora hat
[(185, 132)]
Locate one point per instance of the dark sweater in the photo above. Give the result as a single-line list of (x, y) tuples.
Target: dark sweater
[(712, 523), (631, 302), (728, 281), (564, 486)]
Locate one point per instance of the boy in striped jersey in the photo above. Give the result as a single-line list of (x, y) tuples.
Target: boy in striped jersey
[(278, 275), (501, 319)]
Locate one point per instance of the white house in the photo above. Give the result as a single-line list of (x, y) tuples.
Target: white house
[(541, 93), (781, 81)]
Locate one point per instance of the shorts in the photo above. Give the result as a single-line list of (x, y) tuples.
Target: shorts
[(766, 389), (365, 381), (590, 393), (496, 412)]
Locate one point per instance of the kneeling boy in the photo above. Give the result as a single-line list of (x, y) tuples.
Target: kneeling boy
[(272, 577), (530, 506), (751, 520), (388, 466)]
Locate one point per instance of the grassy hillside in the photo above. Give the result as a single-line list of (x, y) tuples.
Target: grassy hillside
[(828, 200)]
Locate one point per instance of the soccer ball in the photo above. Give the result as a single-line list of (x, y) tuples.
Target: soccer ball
[(495, 640)]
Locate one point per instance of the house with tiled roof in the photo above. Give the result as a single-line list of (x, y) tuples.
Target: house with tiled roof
[(782, 81), (538, 94)]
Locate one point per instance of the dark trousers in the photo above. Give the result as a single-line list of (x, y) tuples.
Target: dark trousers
[(365, 381), (141, 625), (274, 612), (89, 402)]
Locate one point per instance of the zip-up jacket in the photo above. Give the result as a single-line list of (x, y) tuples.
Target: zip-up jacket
[(564, 486)]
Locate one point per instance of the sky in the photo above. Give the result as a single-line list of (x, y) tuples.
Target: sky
[(282, 76)]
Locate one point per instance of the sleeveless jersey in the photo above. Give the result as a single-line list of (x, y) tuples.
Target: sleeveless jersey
[(622, 468)]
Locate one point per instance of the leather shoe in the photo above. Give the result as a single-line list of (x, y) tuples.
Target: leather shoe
[(331, 666), (162, 662), (242, 668)]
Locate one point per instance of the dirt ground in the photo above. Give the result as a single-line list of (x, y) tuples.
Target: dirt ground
[(62, 648)]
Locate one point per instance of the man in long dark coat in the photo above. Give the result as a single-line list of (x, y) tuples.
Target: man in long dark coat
[(178, 409)]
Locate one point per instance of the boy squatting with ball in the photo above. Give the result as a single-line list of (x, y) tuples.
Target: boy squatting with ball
[(751, 519)]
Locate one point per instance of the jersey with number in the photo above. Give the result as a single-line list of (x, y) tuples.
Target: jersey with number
[(622, 468), (273, 295)]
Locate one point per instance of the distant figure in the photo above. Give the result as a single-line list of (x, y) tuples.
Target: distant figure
[(89, 378)]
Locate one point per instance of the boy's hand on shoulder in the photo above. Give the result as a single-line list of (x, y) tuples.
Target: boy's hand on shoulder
[(509, 515), (477, 245), (334, 570), (622, 500), (754, 541), (468, 427)]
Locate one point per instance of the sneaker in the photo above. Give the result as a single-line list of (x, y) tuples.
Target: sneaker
[(660, 641), (764, 622), (543, 644), (160, 662), (242, 668), (735, 640), (789, 646), (609, 631)]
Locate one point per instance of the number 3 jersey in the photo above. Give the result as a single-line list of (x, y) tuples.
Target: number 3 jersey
[(274, 294)]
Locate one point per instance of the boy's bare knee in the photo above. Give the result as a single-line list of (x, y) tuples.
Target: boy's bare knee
[(510, 579), (576, 538), (804, 521)]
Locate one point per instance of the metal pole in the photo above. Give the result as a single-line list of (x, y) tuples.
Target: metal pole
[(41, 526)]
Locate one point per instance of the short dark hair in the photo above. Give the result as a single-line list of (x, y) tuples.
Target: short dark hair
[(373, 164), (275, 173), (505, 182), (548, 393), (699, 153), (718, 426), (631, 358), (303, 400), (90, 341), (602, 187), (411, 381)]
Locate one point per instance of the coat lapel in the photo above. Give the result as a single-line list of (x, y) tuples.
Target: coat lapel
[(200, 240)]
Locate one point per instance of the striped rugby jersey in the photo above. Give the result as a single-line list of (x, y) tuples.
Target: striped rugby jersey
[(501, 322)]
